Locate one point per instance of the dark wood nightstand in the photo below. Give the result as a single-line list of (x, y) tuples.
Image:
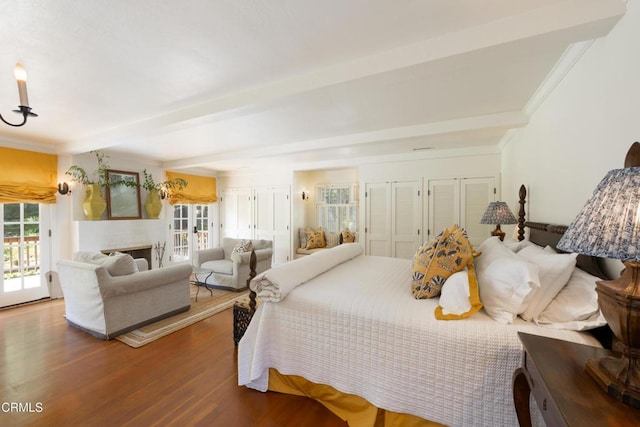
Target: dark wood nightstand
[(565, 393)]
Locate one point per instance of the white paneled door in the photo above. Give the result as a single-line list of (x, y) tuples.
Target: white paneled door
[(378, 219), (235, 213), (272, 218), (393, 218), (406, 218)]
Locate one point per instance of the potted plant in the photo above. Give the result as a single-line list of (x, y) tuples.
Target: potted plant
[(93, 204), (157, 191)]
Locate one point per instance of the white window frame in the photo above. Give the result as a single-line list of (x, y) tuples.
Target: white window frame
[(346, 210)]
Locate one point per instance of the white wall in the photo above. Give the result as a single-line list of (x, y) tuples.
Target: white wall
[(582, 130)]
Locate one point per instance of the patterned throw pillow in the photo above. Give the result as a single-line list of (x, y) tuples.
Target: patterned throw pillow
[(302, 236), (435, 261), (332, 239), (348, 236), (315, 239), (242, 247)]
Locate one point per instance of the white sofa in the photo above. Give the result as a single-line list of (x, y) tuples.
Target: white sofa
[(231, 271), (109, 295)]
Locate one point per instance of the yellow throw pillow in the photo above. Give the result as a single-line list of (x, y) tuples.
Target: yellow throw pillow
[(348, 236), (315, 239), (435, 261)]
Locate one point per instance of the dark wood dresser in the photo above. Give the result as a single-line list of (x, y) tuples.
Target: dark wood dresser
[(553, 370)]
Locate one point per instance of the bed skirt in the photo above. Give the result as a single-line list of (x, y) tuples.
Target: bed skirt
[(355, 410)]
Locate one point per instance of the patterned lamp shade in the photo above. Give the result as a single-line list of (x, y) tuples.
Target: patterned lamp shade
[(608, 225), (498, 213)]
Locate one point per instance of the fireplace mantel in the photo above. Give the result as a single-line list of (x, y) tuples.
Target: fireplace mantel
[(101, 236)]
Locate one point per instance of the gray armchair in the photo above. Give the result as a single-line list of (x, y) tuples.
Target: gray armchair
[(227, 271)]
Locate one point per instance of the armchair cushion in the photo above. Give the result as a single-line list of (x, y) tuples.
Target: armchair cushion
[(223, 266)]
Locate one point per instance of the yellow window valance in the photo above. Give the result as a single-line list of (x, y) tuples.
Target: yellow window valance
[(201, 190), (27, 176)]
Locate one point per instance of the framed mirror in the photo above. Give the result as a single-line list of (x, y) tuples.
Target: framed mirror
[(123, 195)]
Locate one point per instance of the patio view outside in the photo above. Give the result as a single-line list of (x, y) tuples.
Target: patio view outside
[(21, 247)]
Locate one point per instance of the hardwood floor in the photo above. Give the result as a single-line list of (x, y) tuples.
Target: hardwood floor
[(64, 377)]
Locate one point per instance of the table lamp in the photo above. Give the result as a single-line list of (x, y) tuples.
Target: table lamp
[(498, 213), (609, 226)]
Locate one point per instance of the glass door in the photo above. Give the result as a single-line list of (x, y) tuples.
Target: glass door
[(191, 230), (26, 252)]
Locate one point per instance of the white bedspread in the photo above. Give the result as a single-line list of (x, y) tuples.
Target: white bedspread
[(357, 328)]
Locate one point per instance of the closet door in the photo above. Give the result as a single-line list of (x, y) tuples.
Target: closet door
[(378, 219), (235, 213), (460, 201), (406, 218), (272, 215), (475, 195), (281, 225), (444, 205)]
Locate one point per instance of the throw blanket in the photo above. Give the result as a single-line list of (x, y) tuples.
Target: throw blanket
[(275, 284)]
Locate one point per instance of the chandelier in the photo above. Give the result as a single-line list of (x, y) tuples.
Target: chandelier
[(24, 109)]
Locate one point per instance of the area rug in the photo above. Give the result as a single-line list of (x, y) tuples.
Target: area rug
[(206, 306)]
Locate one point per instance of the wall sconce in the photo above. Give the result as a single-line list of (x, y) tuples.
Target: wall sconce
[(24, 109), (306, 195), (63, 188)]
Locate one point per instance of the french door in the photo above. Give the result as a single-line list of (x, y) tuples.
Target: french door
[(26, 248), (191, 231)]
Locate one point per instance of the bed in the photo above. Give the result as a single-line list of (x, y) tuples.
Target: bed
[(351, 335)]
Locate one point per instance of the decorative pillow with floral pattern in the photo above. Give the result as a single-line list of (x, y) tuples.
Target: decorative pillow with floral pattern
[(348, 236), (242, 247), (435, 261), (315, 239)]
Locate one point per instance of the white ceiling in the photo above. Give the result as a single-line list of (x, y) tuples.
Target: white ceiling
[(224, 84)]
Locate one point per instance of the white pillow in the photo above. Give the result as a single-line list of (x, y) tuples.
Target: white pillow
[(554, 273), (576, 306), (517, 246), (117, 264), (505, 284), (490, 250), (454, 296)]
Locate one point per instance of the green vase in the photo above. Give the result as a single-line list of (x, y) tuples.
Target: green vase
[(93, 204), (153, 204)]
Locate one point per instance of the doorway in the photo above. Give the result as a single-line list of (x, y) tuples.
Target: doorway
[(26, 251)]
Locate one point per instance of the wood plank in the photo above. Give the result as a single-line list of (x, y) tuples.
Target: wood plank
[(186, 378)]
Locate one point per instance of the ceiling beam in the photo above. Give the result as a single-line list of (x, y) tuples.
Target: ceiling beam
[(579, 19), (507, 120)]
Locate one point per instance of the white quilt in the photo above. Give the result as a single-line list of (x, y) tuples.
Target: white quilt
[(357, 328)]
